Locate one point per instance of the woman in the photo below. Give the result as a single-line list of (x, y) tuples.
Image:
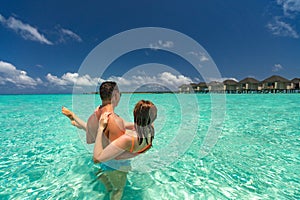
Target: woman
[(133, 142)]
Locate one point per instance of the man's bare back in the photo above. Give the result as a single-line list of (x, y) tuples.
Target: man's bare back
[(115, 127)]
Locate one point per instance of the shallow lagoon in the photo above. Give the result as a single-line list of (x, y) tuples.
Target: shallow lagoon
[(256, 156)]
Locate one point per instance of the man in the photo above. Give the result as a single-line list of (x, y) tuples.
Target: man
[(112, 174)]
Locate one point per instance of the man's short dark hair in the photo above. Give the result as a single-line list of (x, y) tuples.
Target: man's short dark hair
[(106, 90)]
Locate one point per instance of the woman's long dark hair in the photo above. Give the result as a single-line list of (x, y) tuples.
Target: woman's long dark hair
[(144, 113)]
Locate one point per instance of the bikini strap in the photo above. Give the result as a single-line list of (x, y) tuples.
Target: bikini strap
[(145, 148)]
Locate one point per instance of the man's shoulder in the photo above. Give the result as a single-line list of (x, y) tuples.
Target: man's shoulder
[(92, 117), (92, 120), (115, 120), (116, 117)]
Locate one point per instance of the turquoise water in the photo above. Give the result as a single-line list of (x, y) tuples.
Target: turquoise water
[(256, 156)]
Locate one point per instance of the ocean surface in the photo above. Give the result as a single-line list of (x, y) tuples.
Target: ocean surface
[(253, 154)]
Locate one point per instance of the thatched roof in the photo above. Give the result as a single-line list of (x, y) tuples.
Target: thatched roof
[(273, 79), (214, 83), (249, 80), (184, 86), (295, 80), (202, 84), (230, 82)]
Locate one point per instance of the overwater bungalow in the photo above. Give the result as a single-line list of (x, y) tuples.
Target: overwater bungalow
[(201, 87), (230, 86), (248, 85), (186, 88), (275, 84), (272, 84), (194, 87), (295, 85), (216, 87)]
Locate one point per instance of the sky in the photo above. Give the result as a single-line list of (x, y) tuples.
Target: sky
[(43, 44)]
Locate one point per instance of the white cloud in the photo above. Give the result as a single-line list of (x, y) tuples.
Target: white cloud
[(196, 80), (69, 79), (39, 66), (221, 79), (123, 81), (166, 44), (281, 28), (70, 34), (9, 73), (26, 31), (161, 45), (200, 55), (171, 79), (55, 80), (290, 7), (277, 67), (165, 79), (2, 19)]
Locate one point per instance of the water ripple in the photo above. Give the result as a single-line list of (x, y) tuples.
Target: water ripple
[(256, 157)]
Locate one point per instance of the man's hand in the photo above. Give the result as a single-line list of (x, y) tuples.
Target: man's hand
[(75, 121), (103, 120), (67, 113)]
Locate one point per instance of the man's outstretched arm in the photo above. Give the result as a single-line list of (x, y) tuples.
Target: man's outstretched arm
[(75, 120)]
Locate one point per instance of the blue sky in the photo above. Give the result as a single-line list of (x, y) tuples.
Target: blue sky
[(43, 43)]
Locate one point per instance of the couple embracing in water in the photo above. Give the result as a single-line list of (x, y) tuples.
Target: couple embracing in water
[(115, 139)]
